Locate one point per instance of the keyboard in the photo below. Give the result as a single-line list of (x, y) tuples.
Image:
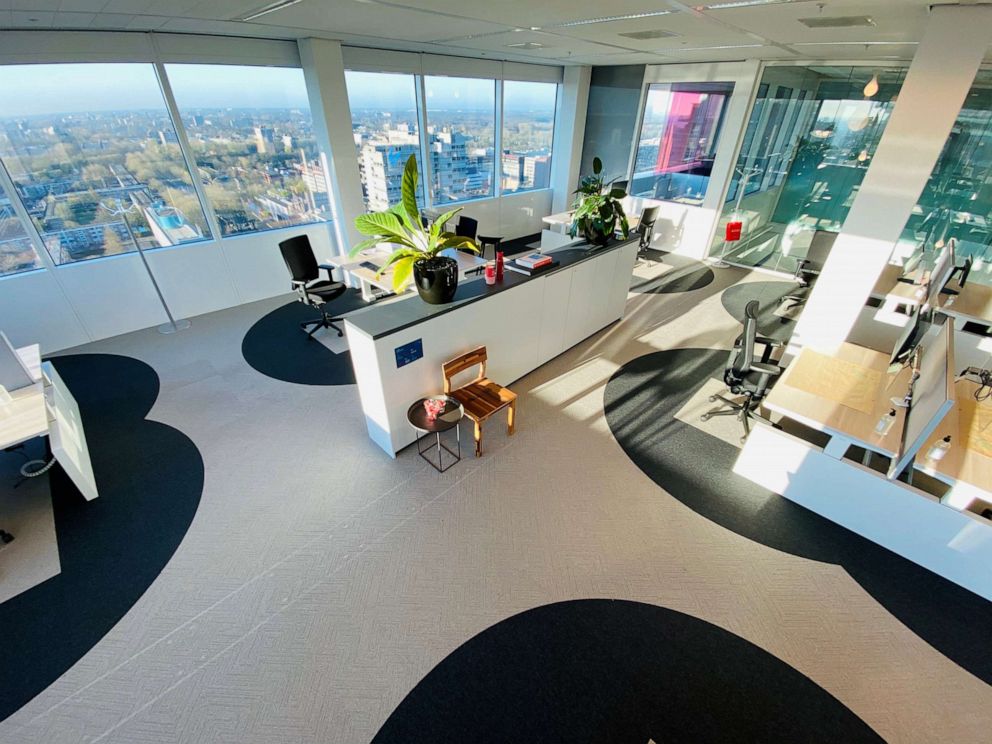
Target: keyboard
[(369, 265)]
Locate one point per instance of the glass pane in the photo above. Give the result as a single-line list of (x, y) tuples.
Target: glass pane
[(957, 200), (528, 130), (461, 127), (678, 141), (251, 134), (17, 253), (90, 145), (808, 143), (384, 120)]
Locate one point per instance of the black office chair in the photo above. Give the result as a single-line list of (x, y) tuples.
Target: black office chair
[(645, 227), (466, 227), (487, 242), (962, 273), (619, 185), (809, 268), (746, 376), (312, 291)]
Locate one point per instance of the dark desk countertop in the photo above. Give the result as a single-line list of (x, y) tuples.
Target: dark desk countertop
[(389, 317)]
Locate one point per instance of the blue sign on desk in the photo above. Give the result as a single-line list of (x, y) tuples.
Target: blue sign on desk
[(410, 352)]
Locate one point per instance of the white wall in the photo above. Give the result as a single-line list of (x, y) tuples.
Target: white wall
[(89, 300)]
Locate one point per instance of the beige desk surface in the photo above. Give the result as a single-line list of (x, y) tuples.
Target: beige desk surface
[(961, 463), (974, 303), (889, 287), (379, 256), (831, 417), (26, 416)]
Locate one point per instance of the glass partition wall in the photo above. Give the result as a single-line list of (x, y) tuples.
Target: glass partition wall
[(810, 138), (957, 200)]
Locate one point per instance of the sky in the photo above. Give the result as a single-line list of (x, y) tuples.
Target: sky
[(27, 90)]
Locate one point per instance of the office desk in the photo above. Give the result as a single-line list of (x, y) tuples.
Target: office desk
[(967, 466), (25, 417), (974, 304), (47, 408), (826, 412), (895, 293)]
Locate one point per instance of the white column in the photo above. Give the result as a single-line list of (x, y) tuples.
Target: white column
[(323, 69), (938, 80), (570, 129)]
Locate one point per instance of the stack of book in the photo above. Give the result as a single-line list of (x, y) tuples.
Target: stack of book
[(532, 263)]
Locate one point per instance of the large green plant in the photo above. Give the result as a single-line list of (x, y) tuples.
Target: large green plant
[(400, 225), (597, 210)]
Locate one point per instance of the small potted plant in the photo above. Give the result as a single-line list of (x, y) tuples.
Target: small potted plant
[(416, 255), (597, 210)]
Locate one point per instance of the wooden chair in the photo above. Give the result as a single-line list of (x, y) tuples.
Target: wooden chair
[(482, 397)]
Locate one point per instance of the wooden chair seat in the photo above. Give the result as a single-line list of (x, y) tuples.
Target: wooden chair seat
[(481, 397)]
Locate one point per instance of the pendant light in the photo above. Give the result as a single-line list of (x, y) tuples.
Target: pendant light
[(872, 87)]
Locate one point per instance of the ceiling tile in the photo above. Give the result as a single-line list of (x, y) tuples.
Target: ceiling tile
[(72, 20), (31, 19)]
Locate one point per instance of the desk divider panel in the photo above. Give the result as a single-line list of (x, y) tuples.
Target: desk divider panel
[(933, 395)]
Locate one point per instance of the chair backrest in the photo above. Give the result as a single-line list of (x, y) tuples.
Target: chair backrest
[(463, 362), (648, 217), (466, 227), (619, 185), (487, 241), (742, 355), (819, 249), (299, 258)]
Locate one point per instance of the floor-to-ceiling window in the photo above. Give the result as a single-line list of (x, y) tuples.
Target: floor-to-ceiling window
[(89, 146), (677, 144), (251, 134), (809, 141), (957, 200), (461, 131), (528, 130), (385, 121), (17, 252)]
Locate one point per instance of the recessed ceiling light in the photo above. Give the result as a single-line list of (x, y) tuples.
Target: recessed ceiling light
[(837, 21), (605, 19), (708, 48), (743, 4), (270, 8), (657, 33), (854, 43)]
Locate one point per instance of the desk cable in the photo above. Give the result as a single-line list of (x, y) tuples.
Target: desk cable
[(984, 379)]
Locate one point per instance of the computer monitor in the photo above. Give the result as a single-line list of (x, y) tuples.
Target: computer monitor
[(942, 269), (908, 339)]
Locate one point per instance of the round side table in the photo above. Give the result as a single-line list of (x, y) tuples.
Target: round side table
[(447, 419)]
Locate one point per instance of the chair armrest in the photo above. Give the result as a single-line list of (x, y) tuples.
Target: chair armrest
[(769, 341), (766, 369)]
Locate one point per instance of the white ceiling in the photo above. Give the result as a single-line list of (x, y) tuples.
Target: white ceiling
[(486, 28)]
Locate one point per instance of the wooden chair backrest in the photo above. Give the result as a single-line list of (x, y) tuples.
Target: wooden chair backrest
[(463, 362)]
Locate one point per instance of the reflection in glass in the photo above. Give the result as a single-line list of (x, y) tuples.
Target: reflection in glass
[(528, 130), (461, 126), (678, 140), (75, 135), (251, 134), (957, 200), (17, 253), (809, 141), (384, 120)]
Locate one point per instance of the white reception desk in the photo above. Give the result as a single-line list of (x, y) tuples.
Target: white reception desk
[(398, 347)]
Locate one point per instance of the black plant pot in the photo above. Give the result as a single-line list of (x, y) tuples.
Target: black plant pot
[(593, 234), (436, 279)]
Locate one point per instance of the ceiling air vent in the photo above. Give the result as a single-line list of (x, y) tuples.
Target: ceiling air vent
[(837, 22), (526, 45), (645, 35)]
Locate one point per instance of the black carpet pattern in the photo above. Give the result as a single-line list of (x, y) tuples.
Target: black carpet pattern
[(597, 670), (277, 347), (111, 549), (685, 275), (641, 400)]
